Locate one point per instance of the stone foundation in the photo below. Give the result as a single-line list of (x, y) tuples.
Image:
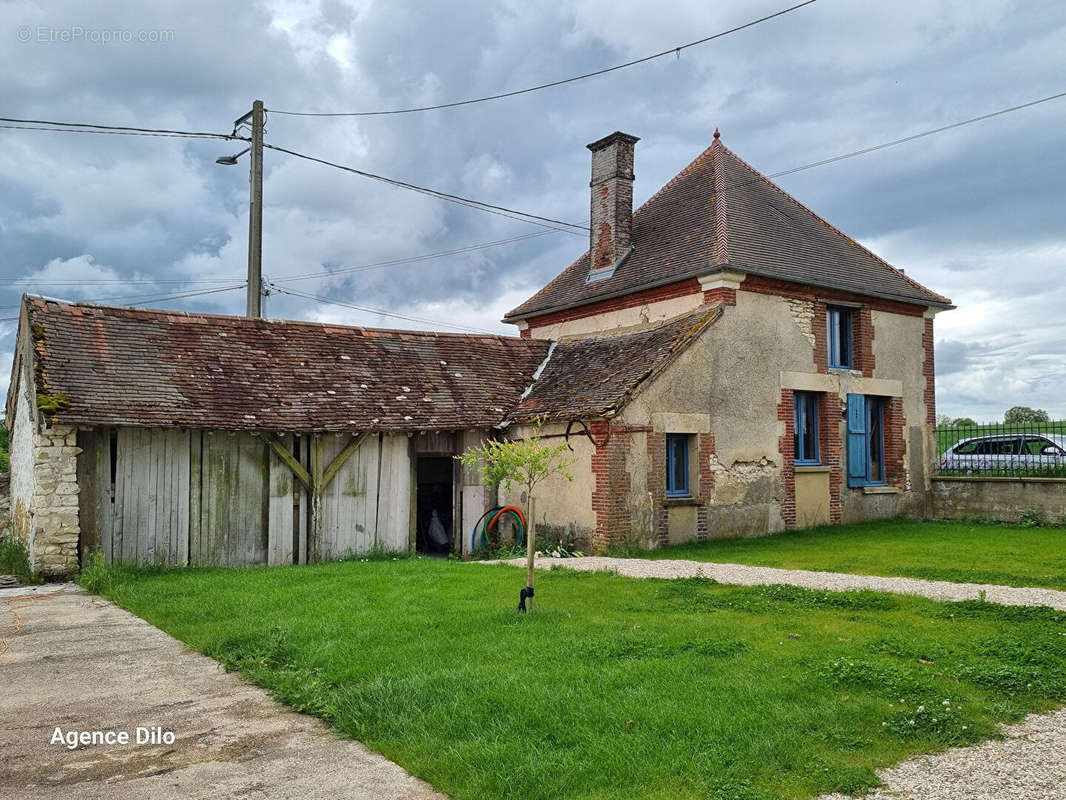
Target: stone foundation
[(54, 528)]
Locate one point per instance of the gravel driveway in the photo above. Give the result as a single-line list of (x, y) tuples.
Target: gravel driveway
[(742, 575)]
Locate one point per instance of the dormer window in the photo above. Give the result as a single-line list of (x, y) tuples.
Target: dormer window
[(838, 337)]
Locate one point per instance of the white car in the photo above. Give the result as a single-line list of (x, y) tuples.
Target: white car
[(1014, 451)]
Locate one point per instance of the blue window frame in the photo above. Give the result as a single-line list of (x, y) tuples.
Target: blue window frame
[(806, 428), (677, 484), (866, 440), (838, 337)]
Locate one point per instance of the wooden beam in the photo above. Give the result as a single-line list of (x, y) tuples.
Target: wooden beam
[(342, 457), (290, 461)]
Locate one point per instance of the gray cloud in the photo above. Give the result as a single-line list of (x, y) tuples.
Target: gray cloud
[(974, 213)]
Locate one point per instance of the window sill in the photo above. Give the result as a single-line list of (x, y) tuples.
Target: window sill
[(801, 468), (676, 502), (881, 490)]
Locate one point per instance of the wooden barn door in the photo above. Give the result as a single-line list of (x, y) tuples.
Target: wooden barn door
[(234, 500)]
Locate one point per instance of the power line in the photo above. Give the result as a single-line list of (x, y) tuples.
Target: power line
[(143, 298), (914, 136), (117, 128), (410, 259), (503, 211), (28, 282), (111, 133), (673, 50), (382, 312)]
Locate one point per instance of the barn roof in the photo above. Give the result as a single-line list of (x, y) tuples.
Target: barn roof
[(720, 212), (134, 367), (594, 377), (102, 366)]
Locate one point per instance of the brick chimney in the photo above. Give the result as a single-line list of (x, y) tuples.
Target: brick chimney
[(612, 201)]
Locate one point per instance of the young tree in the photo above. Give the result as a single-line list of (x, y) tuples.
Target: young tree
[(524, 463), (1020, 415)]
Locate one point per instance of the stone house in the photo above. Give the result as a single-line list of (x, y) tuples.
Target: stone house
[(808, 398), (722, 362)]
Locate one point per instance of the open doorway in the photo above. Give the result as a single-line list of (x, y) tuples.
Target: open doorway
[(434, 505)]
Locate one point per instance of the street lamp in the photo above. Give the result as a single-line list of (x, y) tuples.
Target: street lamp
[(231, 161)]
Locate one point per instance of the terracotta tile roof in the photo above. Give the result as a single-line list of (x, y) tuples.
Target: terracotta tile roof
[(594, 377), (717, 212), (117, 366)]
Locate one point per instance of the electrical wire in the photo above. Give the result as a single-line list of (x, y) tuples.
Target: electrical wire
[(669, 51), (912, 137), (119, 128), (143, 298), (370, 310), (408, 260), (111, 133), (503, 211), (29, 282)]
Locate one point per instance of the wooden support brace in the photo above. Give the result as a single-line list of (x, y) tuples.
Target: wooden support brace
[(318, 479), (283, 453), (341, 458)]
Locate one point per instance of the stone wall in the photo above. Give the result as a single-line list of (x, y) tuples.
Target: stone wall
[(53, 511), (1004, 499)]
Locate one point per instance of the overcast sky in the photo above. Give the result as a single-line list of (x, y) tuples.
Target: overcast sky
[(976, 214)]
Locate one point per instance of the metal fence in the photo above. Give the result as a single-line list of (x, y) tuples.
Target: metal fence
[(1029, 450)]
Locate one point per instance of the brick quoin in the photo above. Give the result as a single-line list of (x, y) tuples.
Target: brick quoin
[(929, 395), (895, 444), (610, 491), (863, 342), (723, 295), (821, 346), (787, 446), (704, 451), (657, 487), (831, 448)]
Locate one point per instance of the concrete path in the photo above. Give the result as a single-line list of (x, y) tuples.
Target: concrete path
[(743, 575), (85, 665)]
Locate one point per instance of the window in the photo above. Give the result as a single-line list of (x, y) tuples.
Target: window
[(806, 430), (838, 337), (866, 440), (677, 465)]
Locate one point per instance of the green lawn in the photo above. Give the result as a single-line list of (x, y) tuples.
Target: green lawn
[(947, 551), (615, 687)]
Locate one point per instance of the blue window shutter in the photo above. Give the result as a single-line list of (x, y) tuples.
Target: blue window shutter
[(856, 440)]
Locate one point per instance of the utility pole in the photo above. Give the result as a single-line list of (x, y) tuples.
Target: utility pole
[(255, 214)]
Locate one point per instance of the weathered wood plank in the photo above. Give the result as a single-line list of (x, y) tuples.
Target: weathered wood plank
[(349, 501), (181, 490), (280, 509), (88, 470), (304, 510), (394, 523), (195, 469)]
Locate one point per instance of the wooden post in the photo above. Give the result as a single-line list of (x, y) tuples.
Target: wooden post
[(531, 536)]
